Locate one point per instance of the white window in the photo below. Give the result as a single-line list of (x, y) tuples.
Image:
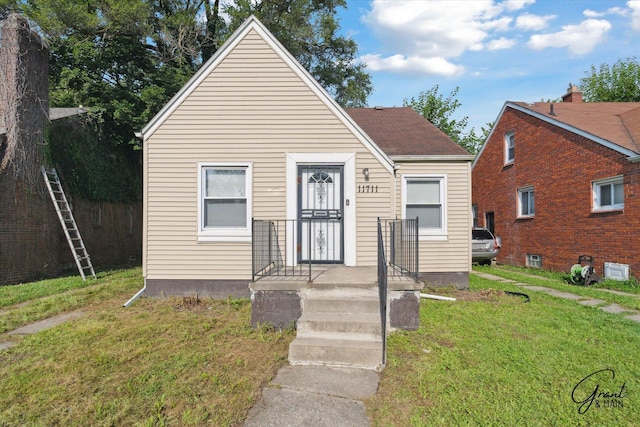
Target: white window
[(608, 194), (424, 198), (225, 202), (509, 147), (526, 202)]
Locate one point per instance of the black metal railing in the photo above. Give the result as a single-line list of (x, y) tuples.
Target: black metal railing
[(275, 248), (382, 290), (401, 243)]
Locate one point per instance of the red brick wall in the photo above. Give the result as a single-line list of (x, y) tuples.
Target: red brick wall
[(560, 166)]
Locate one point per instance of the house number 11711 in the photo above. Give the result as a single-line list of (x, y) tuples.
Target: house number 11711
[(367, 188)]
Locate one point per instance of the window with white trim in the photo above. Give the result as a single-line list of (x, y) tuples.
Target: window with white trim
[(608, 194), (509, 147), (424, 198), (225, 201), (526, 202)]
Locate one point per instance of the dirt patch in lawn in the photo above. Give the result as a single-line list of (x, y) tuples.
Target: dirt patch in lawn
[(481, 295)]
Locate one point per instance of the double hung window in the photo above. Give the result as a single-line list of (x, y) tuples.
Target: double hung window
[(424, 198), (225, 201)]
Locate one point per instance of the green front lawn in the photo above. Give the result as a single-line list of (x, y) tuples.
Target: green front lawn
[(494, 360)]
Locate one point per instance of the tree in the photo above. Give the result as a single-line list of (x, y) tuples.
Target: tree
[(432, 105), (617, 83)]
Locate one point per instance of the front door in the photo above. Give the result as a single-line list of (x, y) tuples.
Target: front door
[(320, 209)]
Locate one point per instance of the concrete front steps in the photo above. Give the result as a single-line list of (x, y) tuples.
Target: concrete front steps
[(338, 327)]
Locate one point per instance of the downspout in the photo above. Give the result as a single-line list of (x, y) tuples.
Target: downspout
[(144, 288), (136, 296)]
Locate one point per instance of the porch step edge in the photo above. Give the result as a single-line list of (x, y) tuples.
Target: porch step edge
[(335, 352)]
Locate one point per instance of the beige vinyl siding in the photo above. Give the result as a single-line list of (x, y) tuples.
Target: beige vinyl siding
[(454, 253), (370, 207), (251, 108)]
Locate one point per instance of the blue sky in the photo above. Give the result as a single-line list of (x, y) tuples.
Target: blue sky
[(494, 51)]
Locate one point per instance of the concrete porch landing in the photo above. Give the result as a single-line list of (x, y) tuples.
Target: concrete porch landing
[(328, 276)]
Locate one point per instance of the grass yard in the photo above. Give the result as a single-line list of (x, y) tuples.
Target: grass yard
[(490, 359), (167, 361)]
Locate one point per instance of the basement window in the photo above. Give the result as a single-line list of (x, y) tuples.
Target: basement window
[(533, 261)]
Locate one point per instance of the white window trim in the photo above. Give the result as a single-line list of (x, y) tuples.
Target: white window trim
[(519, 207), (242, 234), (424, 233), (509, 136), (595, 186)]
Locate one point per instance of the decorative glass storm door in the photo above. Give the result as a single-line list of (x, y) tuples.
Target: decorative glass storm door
[(320, 204)]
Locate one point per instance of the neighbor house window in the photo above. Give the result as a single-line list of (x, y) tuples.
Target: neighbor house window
[(474, 215), (225, 201), (509, 147), (526, 202), (424, 198), (608, 194), (534, 261)]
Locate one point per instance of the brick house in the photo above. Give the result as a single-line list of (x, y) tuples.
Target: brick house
[(560, 180)]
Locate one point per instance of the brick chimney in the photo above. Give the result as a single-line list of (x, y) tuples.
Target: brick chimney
[(573, 94)]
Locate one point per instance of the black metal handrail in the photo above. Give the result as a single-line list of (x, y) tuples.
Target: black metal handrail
[(401, 243), (382, 290), (275, 250)]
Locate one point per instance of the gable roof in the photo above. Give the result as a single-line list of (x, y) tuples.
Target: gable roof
[(253, 24), (615, 125), (606, 120), (402, 133)]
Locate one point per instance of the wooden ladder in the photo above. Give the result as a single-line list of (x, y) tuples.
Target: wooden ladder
[(68, 223)]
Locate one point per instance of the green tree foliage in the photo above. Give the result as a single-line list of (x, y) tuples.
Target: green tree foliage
[(434, 107), (619, 82), (125, 59)]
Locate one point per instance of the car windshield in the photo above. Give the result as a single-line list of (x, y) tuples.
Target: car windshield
[(482, 235)]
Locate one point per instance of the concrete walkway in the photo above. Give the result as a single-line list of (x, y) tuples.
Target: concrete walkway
[(36, 327), (629, 313), (315, 396)]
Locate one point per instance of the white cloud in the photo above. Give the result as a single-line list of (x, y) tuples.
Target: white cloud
[(432, 32), (501, 43), (528, 22), (578, 39), (517, 4), (412, 65), (634, 5), (593, 14), (611, 11)]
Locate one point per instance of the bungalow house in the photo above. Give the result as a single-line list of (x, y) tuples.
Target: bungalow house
[(253, 149), (561, 180)]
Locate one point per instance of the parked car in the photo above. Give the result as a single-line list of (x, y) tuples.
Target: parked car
[(484, 246)]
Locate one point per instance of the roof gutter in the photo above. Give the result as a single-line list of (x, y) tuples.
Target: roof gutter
[(435, 158), (634, 159)]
